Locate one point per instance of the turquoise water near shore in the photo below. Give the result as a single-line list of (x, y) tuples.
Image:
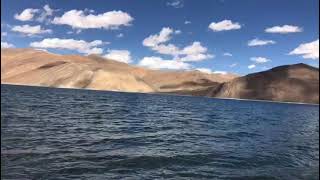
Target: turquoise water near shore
[(49, 133)]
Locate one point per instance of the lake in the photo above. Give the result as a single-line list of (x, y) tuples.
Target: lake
[(49, 133)]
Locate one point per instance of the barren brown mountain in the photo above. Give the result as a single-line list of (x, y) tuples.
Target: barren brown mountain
[(37, 67), (291, 83)]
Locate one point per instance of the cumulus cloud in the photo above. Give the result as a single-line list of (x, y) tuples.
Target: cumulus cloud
[(6, 45), (285, 29), (158, 63), (167, 49), (225, 25), (307, 50), (259, 42), (26, 15), (176, 3), (227, 54), (108, 20), (156, 39), (251, 66), (30, 30), (193, 52), (70, 44), (119, 55), (260, 60)]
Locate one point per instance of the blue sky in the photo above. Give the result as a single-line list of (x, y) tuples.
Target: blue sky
[(172, 34)]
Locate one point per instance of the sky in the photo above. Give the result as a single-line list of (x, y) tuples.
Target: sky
[(213, 36)]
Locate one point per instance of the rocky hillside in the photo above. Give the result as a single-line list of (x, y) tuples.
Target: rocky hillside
[(37, 67), (291, 83)]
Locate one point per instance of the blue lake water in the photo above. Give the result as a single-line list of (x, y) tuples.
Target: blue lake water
[(79, 134)]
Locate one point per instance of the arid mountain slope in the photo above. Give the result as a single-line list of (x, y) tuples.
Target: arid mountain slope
[(37, 67), (291, 83)]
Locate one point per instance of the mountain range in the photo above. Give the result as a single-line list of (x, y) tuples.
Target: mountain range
[(289, 83)]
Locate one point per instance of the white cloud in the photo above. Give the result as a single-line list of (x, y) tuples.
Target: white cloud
[(204, 70), (224, 25), (285, 29), (227, 54), (196, 57), (6, 45), (47, 11), (167, 49), (259, 42), (107, 20), (120, 35), (193, 52), (26, 15), (307, 50), (119, 55), (233, 65), (4, 33), (187, 22), (30, 30), (260, 60), (158, 63), (209, 71), (176, 3), (78, 45), (194, 48), (156, 39), (251, 66), (220, 72)]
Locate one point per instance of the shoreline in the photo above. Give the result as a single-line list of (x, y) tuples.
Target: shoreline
[(167, 94)]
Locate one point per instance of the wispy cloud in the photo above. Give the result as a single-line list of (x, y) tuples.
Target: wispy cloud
[(120, 35), (260, 60), (30, 30), (251, 66), (259, 42), (233, 65), (285, 29), (176, 3), (227, 54)]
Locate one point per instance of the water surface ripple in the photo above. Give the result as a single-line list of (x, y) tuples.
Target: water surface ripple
[(79, 134)]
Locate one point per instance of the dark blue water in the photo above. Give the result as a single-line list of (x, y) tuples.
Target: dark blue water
[(79, 134)]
